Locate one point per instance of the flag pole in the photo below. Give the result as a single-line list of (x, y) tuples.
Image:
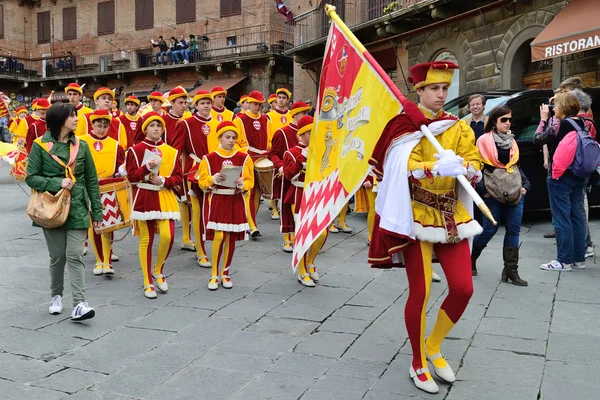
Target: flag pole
[(330, 10)]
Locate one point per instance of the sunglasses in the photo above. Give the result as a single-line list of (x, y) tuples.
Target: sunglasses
[(505, 120)]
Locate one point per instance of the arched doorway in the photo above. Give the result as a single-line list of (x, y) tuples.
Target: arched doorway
[(447, 55), (529, 75)]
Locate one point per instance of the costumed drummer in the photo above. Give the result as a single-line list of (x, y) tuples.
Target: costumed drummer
[(154, 170), (284, 139), (108, 157), (437, 220), (294, 170), (20, 134), (226, 220), (21, 114)]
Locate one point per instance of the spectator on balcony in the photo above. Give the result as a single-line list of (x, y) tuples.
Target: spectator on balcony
[(70, 62), (183, 45), (60, 64), (162, 49), (174, 52), (192, 49)]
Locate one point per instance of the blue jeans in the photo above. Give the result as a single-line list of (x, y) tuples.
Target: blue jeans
[(512, 217), (568, 217), (160, 54)]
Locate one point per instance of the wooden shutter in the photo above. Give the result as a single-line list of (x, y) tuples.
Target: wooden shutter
[(236, 7), (185, 11), (144, 14), (106, 18), (1, 21), (43, 27), (231, 7), (70, 23)]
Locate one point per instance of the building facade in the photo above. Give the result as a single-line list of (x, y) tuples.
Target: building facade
[(240, 45)]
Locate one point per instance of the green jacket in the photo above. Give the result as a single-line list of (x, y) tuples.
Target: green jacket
[(44, 174)]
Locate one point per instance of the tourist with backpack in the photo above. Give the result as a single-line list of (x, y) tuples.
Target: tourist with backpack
[(574, 155)]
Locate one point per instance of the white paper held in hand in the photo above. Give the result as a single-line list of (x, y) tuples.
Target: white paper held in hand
[(148, 155), (231, 174)]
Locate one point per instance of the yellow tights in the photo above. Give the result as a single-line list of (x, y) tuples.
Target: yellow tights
[(223, 247), (185, 223), (196, 219), (166, 229)]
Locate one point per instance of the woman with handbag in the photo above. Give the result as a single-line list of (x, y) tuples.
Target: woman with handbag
[(504, 186), (61, 169)]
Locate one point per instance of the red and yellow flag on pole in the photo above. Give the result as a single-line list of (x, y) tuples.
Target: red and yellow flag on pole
[(356, 99)]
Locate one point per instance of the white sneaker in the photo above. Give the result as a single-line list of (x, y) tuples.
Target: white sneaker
[(428, 386), (556, 266), (82, 311), (186, 62), (114, 257), (56, 307), (589, 252), (435, 277), (579, 265)]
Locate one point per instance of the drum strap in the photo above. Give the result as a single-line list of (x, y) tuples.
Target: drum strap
[(195, 158)]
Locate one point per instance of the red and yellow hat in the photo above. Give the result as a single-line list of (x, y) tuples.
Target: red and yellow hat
[(156, 96), (243, 98), (21, 109), (272, 98), (34, 104), (152, 116), (100, 114), (74, 86), (430, 73), (202, 94), (42, 104), (256, 97), (132, 99), (227, 126), (305, 125), (104, 90), (299, 107), (217, 90), (284, 91), (177, 93)]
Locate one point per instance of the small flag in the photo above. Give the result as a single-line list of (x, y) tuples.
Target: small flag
[(283, 10)]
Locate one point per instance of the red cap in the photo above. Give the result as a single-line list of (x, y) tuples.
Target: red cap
[(156, 96), (42, 104), (272, 98), (299, 107), (305, 124), (284, 91), (104, 90), (177, 93), (227, 126), (217, 90), (256, 97), (152, 116), (202, 94), (132, 99), (21, 109), (100, 114), (430, 73), (74, 86)]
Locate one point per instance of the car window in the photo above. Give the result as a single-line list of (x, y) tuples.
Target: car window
[(526, 117)]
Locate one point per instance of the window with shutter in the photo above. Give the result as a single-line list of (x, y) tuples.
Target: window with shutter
[(1, 21), (231, 7), (70, 23), (144, 14), (185, 11), (106, 18), (43, 27)]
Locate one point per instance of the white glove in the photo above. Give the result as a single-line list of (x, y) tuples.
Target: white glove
[(473, 173), (418, 174), (122, 170), (305, 152), (303, 164), (280, 170), (449, 164)]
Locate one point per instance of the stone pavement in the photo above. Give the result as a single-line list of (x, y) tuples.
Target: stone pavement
[(271, 338)]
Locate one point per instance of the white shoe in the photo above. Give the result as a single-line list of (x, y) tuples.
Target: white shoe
[(204, 264), (274, 215), (579, 265), (56, 307), (108, 269), (288, 248), (186, 62), (213, 283), (428, 386), (306, 282), (313, 274), (445, 373), (255, 233), (589, 252), (556, 266), (188, 246), (149, 292), (333, 229), (114, 257), (435, 277), (226, 282), (162, 286), (98, 269), (345, 228), (82, 311), (85, 248)]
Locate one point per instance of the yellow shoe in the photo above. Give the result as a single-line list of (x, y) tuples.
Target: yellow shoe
[(98, 269)]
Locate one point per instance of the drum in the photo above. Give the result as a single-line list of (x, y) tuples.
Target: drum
[(116, 209), (265, 172), (19, 168)]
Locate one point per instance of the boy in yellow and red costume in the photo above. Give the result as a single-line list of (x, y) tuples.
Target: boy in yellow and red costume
[(74, 93), (438, 220), (21, 113), (130, 120), (37, 128), (20, 134), (219, 112), (103, 98)]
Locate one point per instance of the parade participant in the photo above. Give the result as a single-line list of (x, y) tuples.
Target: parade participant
[(21, 113), (279, 115), (437, 221), (108, 156), (226, 217), (254, 128), (284, 139), (244, 103), (114, 111), (341, 225), (37, 128), (155, 207), (131, 119), (272, 101), (365, 202), (46, 174), (156, 100), (219, 112), (103, 98), (294, 169), (20, 135), (196, 131), (74, 94)]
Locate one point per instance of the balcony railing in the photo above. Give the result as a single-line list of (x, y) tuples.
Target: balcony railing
[(214, 48), (314, 25)]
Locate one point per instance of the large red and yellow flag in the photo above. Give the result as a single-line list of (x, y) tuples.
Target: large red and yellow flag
[(356, 99)]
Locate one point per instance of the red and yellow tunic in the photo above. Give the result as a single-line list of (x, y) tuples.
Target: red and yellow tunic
[(283, 140), (140, 135), (171, 136), (13, 124), (83, 110), (107, 153), (195, 131), (221, 114), (294, 170), (36, 130), (254, 129), (279, 119), (130, 124), (150, 201), (116, 113), (116, 130), (226, 209), (23, 127)]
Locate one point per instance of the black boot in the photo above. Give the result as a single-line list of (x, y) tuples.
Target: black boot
[(474, 256), (511, 266)]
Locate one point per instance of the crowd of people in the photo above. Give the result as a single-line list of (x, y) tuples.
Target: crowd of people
[(176, 51), (204, 167)]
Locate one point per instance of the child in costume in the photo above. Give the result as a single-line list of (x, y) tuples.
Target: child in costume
[(154, 170), (226, 217)]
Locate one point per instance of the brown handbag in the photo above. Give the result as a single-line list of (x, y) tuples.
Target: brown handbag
[(48, 210), (504, 186)]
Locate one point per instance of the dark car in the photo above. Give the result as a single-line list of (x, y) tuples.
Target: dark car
[(525, 106)]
